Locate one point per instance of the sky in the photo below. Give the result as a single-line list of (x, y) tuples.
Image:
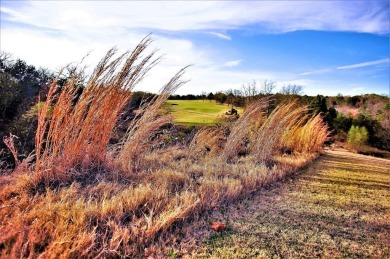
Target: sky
[(327, 47)]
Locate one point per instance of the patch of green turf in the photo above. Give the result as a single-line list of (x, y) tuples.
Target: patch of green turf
[(196, 111)]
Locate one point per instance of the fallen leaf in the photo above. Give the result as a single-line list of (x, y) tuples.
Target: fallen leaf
[(217, 226)]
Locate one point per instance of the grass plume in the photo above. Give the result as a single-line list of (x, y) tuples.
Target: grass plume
[(140, 130), (80, 132), (268, 137), (245, 128)]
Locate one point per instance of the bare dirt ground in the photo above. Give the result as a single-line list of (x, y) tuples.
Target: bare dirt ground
[(337, 207)]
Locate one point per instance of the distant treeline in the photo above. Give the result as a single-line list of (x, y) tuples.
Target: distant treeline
[(343, 114), (22, 85)]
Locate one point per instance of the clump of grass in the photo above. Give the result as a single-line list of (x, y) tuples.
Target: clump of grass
[(268, 138), (208, 140), (80, 132), (307, 137), (245, 128), (139, 132)]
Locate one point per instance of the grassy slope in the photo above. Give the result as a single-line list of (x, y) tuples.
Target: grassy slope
[(196, 111), (339, 207)]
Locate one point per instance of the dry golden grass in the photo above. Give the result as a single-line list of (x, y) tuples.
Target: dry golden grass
[(80, 133), (268, 138), (245, 129), (83, 197), (307, 137), (208, 140), (142, 129)]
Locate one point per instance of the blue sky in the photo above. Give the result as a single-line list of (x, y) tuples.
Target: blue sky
[(328, 47)]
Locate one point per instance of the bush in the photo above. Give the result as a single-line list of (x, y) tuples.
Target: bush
[(358, 136)]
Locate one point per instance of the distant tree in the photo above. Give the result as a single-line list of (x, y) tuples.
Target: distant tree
[(250, 89), (292, 89), (342, 123), (230, 97), (266, 87), (210, 96), (220, 97), (330, 116), (339, 98), (138, 98), (318, 105), (191, 97), (353, 100), (358, 135), (203, 95), (10, 93)]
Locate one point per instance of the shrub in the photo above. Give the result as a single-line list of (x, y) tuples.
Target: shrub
[(358, 136)]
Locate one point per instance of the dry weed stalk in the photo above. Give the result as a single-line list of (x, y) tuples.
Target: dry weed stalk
[(9, 142)]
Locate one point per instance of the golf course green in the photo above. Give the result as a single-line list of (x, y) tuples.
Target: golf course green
[(196, 111)]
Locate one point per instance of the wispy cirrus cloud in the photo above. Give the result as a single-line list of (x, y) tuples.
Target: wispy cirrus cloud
[(317, 72), (366, 64), (221, 35), (267, 16)]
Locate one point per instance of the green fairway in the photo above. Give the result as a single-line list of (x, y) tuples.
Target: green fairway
[(196, 111)]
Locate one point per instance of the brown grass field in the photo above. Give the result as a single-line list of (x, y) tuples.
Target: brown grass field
[(82, 195), (339, 206)]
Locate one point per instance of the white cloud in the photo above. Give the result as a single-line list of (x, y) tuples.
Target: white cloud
[(55, 33), (221, 35), (317, 72), (232, 63), (366, 64), (15, 14), (270, 16)]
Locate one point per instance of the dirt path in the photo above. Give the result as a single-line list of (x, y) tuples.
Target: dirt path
[(338, 207)]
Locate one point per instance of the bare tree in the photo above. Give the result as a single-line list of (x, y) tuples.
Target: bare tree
[(292, 89), (203, 95), (5, 60), (267, 87), (249, 90)]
